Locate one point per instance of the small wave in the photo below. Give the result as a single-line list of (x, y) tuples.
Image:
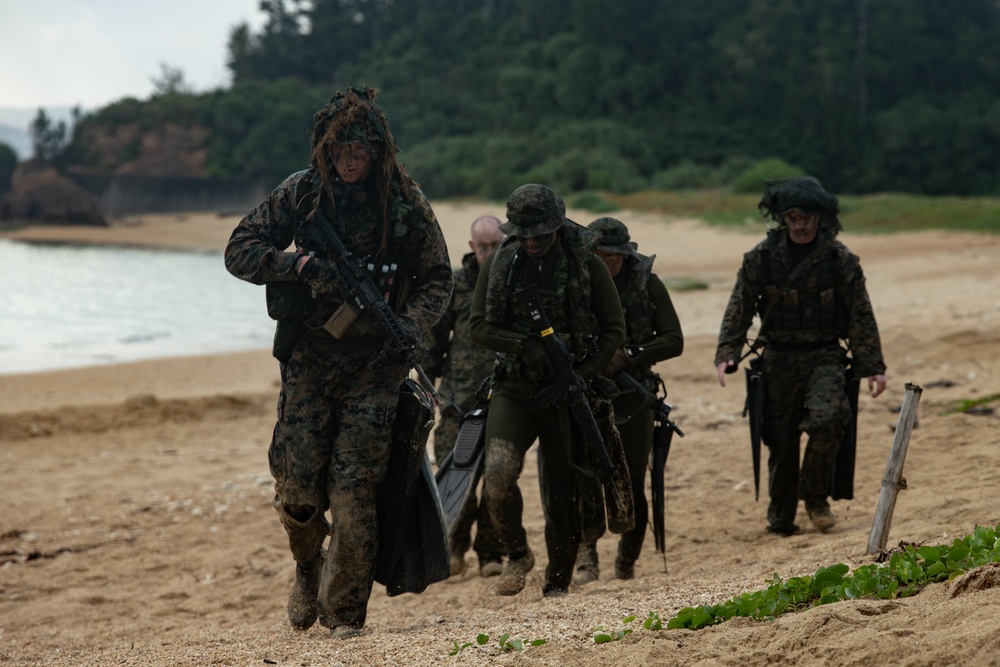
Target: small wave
[(144, 338)]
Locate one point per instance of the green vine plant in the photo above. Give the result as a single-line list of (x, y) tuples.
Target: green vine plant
[(603, 636), (906, 573), (505, 643)]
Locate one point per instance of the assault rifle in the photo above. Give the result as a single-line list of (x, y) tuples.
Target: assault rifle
[(663, 435), (571, 389), (360, 295)]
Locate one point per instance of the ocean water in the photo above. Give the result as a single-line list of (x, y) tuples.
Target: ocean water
[(71, 306)]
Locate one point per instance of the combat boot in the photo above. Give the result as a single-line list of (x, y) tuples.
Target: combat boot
[(345, 632), (587, 569), (821, 516), (512, 580), (624, 569), (303, 607), (490, 568)]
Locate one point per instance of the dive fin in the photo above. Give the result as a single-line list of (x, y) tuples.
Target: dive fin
[(424, 557), (413, 548), (457, 476)]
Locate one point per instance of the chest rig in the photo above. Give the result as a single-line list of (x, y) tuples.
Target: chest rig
[(811, 306)]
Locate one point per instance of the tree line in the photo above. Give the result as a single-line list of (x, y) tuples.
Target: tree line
[(483, 95)]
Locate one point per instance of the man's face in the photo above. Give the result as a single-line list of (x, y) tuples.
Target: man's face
[(353, 161), (486, 238), (537, 246), (802, 225), (613, 260)]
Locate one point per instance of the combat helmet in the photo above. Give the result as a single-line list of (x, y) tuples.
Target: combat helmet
[(533, 210), (805, 193), (613, 236)]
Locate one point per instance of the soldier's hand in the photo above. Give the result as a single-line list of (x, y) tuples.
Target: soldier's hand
[(320, 274), (618, 363), (722, 369), (876, 385), (536, 358)]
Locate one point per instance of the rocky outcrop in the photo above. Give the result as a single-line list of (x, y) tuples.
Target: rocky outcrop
[(39, 194)]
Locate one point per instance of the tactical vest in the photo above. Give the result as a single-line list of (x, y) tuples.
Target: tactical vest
[(566, 301), (354, 217), (638, 308), (812, 309)]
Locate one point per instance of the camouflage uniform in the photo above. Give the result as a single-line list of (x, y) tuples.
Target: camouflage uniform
[(453, 357), (579, 297), (653, 334), (803, 360), (463, 367), (330, 444)]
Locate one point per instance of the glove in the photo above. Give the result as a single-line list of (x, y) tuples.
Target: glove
[(413, 338), (536, 359), (618, 363), (322, 275)]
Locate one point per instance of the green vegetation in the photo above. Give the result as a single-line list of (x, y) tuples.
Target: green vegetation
[(876, 213), (504, 643), (603, 636), (891, 96), (754, 178), (906, 573), (971, 405), (682, 284)]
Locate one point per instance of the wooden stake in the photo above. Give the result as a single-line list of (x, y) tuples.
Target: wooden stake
[(893, 480)]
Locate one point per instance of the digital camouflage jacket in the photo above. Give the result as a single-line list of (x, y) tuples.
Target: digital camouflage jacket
[(826, 302), (451, 355), (260, 249)]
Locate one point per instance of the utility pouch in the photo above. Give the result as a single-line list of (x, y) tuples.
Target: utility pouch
[(287, 300), (286, 332), (341, 321)]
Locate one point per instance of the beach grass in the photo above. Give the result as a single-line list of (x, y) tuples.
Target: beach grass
[(873, 213)]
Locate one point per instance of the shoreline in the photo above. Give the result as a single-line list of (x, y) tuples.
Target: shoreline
[(196, 376)]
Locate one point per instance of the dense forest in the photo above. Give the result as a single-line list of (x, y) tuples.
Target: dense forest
[(893, 95)]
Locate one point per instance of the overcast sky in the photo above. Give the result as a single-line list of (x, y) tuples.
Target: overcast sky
[(63, 53)]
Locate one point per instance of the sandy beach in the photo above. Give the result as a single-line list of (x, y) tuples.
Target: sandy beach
[(138, 529)]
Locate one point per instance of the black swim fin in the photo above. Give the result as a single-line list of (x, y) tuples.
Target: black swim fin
[(459, 473), (413, 542)]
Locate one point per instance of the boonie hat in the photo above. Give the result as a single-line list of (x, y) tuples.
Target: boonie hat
[(613, 236), (532, 210)]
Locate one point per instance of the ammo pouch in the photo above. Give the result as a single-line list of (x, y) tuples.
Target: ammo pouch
[(288, 303)]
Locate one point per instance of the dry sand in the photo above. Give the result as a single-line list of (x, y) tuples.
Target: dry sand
[(137, 527)]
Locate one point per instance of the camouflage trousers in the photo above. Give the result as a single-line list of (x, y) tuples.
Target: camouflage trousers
[(515, 420), (329, 450), (805, 394), (637, 441)]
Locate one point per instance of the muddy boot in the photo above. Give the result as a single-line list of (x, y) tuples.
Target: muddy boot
[(624, 569), (552, 591), (345, 632), (457, 565), (490, 568), (512, 580), (587, 569), (821, 516), (303, 607)]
